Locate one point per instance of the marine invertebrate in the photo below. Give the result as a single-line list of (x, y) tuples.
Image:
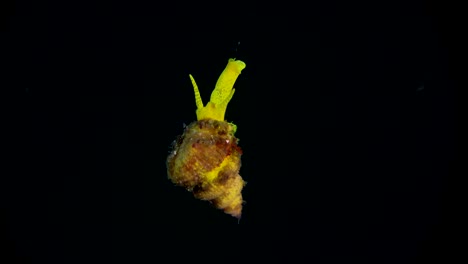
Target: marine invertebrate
[(206, 158)]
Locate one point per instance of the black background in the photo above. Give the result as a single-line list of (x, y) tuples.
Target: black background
[(345, 114)]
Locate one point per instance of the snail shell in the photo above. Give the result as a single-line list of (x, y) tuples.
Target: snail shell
[(206, 161)]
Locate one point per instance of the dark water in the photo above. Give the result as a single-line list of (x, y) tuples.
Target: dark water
[(345, 114)]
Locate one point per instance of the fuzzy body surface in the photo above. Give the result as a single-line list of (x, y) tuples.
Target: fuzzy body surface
[(206, 160)]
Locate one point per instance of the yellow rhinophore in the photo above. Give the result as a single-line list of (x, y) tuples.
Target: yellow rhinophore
[(222, 94)]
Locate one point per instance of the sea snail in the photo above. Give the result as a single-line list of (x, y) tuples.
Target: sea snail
[(205, 159)]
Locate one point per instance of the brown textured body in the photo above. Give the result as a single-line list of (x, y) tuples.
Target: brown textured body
[(206, 160)]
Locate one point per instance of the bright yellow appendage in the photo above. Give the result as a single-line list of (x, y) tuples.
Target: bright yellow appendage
[(222, 94)]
